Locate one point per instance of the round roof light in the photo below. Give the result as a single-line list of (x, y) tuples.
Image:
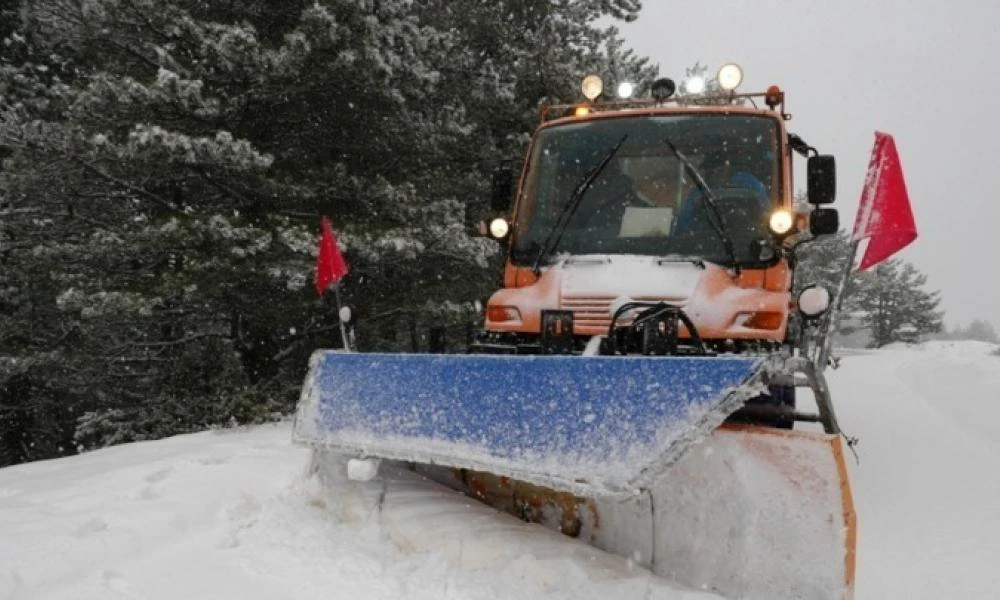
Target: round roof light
[(499, 228), (592, 87), (625, 89), (695, 85), (730, 76), (773, 96), (814, 300), (781, 222), (663, 88)]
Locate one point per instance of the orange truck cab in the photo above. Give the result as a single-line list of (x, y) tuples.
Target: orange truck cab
[(654, 226)]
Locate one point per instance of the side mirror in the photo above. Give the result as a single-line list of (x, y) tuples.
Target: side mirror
[(824, 221), (501, 188), (821, 179)]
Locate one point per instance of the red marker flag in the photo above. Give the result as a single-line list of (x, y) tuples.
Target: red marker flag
[(884, 215), (330, 265)]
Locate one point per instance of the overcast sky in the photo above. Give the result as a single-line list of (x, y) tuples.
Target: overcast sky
[(925, 72)]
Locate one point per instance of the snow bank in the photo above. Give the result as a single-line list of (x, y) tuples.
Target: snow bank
[(927, 487), (231, 514)]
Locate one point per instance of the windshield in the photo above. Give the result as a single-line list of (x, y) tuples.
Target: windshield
[(643, 201)]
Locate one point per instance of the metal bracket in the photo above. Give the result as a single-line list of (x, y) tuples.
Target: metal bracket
[(557, 332), (659, 335)]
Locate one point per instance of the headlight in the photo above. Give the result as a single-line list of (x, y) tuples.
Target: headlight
[(499, 228), (695, 85), (730, 76), (813, 301), (592, 86), (781, 222)]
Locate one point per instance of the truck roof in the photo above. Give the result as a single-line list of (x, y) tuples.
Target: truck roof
[(600, 112)]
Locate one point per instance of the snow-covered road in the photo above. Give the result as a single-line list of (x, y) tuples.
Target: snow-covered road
[(927, 489), (230, 514)]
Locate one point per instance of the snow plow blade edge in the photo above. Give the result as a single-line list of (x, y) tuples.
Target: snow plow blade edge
[(593, 425)]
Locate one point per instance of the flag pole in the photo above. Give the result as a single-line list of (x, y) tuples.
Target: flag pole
[(330, 271), (884, 218), (343, 328), (863, 215), (826, 338)]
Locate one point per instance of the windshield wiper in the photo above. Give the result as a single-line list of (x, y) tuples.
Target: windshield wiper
[(719, 223), (555, 234)]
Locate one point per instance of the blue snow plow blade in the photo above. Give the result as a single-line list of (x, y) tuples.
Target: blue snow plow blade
[(592, 425)]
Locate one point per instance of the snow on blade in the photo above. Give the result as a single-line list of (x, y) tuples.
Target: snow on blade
[(421, 516), (603, 425)]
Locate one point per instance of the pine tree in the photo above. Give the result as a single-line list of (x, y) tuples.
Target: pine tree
[(889, 301), (979, 330), (166, 163), (169, 186), (822, 262), (895, 305)]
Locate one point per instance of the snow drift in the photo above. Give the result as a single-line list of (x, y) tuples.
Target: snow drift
[(230, 514)]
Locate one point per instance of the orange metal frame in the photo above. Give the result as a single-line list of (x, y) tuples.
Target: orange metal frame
[(530, 502), (847, 499)]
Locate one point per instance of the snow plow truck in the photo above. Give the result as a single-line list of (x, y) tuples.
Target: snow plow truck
[(646, 380)]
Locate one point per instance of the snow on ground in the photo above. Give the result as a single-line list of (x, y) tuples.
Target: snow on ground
[(927, 489), (231, 514)]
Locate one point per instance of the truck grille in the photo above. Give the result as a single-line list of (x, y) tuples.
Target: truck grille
[(595, 311), (589, 311)]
